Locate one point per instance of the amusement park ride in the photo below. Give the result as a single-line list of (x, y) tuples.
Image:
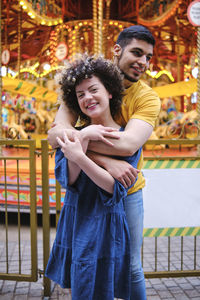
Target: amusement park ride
[(38, 37)]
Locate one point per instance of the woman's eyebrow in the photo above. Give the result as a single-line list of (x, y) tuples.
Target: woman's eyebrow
[(91, 86)]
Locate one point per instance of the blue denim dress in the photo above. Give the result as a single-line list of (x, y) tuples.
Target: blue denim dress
[(91, 251)]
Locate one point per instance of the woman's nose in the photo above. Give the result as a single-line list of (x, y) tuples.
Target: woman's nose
[(88, 95)]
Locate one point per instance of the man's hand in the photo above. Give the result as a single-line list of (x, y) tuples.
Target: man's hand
[(123, 172), (119, 169), (99, 133)]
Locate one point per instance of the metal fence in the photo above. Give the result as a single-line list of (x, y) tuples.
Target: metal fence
[(13, 266), (166, 252)]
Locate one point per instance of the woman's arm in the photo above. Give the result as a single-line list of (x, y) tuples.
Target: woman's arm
[(77, 158)]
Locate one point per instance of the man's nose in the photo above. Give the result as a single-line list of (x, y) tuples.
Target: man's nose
[(142, 60)]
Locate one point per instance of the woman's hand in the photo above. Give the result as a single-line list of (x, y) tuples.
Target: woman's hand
[(99, 133), (72, 149)]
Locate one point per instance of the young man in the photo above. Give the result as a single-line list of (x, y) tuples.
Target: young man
[(140, 108)]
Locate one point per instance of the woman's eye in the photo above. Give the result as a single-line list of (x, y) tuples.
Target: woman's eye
[(80, 96)]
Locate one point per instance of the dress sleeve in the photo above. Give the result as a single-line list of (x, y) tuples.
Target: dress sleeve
[(120, 192), (61, 168)]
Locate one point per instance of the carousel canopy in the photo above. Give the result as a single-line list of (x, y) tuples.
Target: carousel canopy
[(175, 36)]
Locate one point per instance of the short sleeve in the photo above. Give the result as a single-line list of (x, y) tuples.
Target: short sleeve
[(119, 193), (148, 108), (141, 102)]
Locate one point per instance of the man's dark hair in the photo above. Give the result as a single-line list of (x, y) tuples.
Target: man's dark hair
[(138, 32), (86, 67)]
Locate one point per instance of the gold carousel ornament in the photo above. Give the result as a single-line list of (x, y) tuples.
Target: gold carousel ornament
[(44, 12), (155, 13)]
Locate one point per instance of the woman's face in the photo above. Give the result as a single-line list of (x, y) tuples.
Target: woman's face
[(93, 98)]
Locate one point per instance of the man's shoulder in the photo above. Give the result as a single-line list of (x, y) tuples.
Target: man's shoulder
[(140, 88)]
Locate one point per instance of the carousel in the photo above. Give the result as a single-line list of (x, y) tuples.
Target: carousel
[(39, 37)]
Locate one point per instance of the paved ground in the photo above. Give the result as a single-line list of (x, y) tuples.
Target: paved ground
[(164, 288)]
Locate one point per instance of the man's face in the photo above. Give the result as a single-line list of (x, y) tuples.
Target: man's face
[(134, 59)]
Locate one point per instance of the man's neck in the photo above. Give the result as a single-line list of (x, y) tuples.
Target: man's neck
[(127, 83)]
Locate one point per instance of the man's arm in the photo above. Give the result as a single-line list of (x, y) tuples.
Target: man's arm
[(64, 121), (119, 169), (134, 136)]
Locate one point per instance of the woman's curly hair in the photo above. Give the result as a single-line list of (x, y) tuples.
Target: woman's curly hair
[(84, 68)]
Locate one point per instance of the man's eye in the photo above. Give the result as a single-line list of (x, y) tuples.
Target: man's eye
[(137, 53), (94, 90), (148, 58)]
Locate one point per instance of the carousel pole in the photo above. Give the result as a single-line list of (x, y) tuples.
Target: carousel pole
[(107, 17), (100, 26), (198, 85), (178, 51), (193, 14), (19, 40), (95, 26), (0, 80)]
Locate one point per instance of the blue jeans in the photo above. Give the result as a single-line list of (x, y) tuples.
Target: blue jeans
[(133, 205)]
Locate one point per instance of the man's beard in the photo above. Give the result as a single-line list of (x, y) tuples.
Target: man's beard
[(129, 78)]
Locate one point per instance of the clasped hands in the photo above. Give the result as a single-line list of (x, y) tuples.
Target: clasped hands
[(74, 143)]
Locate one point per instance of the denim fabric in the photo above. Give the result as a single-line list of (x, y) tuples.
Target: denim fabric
[(91, 251), (133, 205)]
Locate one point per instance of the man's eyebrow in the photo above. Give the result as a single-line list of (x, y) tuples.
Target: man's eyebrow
[(141, 50)]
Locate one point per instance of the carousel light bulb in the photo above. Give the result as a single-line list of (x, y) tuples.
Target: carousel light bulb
[(195, 72), (3, 71), (21, 3)]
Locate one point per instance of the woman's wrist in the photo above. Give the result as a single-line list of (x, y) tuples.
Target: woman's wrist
[(84, 139)]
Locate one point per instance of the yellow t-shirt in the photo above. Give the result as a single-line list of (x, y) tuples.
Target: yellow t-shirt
[(139, 102)]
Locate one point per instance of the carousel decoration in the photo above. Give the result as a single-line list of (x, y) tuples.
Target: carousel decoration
[(155, 13), (53, 31), (43, 12)]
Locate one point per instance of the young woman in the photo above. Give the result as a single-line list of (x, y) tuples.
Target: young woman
[(91, 251)]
